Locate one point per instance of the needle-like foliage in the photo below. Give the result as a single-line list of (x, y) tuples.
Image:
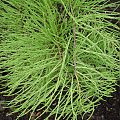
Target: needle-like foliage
[(61, 56)]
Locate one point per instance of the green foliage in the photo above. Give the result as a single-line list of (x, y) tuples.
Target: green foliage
[(62, 56)]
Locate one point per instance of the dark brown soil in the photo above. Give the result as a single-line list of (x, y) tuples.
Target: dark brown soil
[(110, 108), (107, 110)]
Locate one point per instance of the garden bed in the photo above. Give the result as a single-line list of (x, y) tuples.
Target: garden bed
[(108, 108)]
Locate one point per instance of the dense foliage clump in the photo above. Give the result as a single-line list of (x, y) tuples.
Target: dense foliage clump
[(61, 56)]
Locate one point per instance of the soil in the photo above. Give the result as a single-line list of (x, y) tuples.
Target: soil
[(110, 108), (107, 110)]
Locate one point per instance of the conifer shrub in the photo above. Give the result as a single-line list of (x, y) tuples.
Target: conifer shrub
[(61, 56)]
